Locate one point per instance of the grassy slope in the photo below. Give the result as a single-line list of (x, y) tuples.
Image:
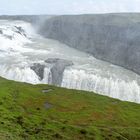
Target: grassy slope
[(73, 115)]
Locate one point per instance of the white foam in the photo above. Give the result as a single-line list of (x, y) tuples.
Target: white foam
[(109, 86)]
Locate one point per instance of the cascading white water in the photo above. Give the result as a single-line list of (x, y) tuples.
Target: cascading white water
[(47, 76), (21, 47), (113, 87)]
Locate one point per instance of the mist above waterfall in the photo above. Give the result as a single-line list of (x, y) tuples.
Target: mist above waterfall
[(28, 57)]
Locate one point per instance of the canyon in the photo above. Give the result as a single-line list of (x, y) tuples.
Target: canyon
[(97, 53)]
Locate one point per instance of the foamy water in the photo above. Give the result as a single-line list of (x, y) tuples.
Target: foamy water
[(21, 47)]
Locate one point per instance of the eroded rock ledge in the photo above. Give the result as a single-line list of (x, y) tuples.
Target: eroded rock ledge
[(57, 67)]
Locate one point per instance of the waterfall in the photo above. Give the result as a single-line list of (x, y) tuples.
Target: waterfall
[(17, 73), (47, 76), (27, 57), (113, 87)]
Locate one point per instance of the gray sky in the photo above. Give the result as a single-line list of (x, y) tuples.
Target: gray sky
[(12, 7)]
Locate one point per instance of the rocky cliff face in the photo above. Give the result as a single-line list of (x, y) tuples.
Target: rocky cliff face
[(111, 37)]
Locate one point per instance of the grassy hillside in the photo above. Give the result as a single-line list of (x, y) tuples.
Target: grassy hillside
[(44, 112)]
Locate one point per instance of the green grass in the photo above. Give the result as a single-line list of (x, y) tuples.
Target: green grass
[(69, 115)]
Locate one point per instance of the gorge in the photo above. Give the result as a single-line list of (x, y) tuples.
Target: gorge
[(97, 53)]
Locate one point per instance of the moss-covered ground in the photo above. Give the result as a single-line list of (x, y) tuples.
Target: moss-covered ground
[(43, 112)]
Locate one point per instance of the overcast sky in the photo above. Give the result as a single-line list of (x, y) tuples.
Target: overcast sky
[(11, 7)]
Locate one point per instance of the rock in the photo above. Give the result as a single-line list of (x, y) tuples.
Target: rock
[(1, 32), (8, 37), (48, 105), (38, 69), (52, 60), (46, 90), (58, 67)]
